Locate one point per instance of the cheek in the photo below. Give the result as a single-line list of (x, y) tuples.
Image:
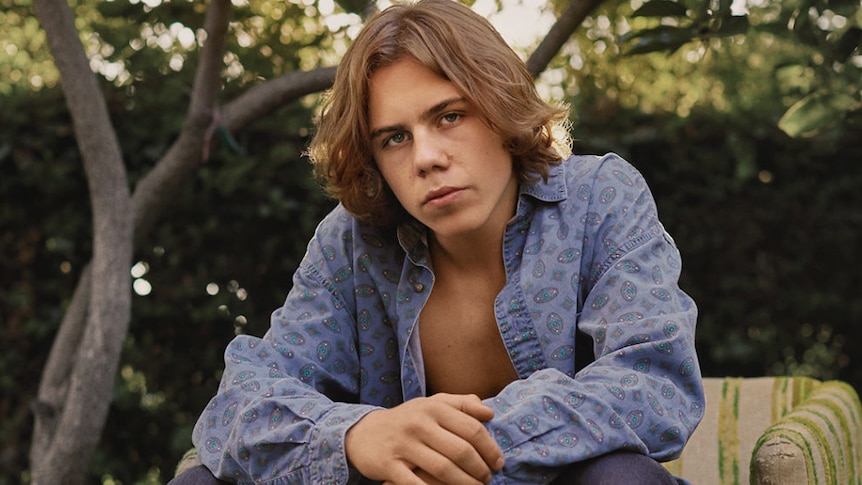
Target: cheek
[(395, 179)]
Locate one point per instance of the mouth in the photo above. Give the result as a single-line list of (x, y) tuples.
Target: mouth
[(440, 194)]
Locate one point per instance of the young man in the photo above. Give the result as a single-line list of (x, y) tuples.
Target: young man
[(435, 330)]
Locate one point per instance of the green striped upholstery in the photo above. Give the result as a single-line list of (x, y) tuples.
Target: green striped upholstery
[(775, 431), (816, 442)]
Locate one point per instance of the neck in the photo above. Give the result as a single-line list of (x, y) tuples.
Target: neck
[(476, 252), (480, 249)]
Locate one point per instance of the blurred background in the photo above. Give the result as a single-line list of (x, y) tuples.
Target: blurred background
[(748, 132)]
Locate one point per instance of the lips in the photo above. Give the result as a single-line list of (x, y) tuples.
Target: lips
[(440, 194)]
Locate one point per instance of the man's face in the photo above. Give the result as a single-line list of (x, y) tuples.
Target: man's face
[(445, 165)]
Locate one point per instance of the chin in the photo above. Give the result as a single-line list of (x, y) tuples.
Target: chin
[(453, 228)]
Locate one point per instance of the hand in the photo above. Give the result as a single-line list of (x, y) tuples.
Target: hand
[(426, 478), (425, 441)]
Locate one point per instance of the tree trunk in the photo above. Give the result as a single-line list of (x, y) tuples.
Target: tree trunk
[(70, 420)]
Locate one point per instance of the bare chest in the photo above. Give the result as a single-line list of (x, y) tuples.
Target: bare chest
[(462, 349)]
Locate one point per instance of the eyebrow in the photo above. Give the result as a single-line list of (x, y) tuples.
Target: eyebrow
[(427, 114)]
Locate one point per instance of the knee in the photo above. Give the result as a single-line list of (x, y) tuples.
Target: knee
[(618, 468)]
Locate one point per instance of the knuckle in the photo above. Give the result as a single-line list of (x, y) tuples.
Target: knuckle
[(475, 430), (438, 468), (462, 451)]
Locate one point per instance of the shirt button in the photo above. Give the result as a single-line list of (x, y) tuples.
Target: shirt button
[(418, 287)]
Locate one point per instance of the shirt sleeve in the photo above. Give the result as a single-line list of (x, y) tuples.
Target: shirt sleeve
[(642, 392), (280, 414)]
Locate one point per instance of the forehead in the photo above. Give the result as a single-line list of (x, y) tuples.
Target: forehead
[(401, 91)]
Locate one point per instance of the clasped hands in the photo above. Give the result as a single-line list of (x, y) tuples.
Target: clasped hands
[(426, 441)]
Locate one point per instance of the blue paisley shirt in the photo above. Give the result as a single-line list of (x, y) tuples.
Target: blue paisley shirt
[(587, 262)]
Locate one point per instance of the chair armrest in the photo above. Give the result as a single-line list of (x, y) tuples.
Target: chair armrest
[(188, 461), (818, 441), (738, 411)]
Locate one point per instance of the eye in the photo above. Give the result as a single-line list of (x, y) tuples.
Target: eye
[(450, 118), (395, 139)]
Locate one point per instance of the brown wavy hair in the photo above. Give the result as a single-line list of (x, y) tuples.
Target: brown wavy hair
[(457, 44)]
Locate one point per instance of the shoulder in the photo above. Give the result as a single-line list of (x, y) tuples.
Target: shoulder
[(611, 192), (341, 236), (582, 170), (335, 224), (579, 178), (341, 225)]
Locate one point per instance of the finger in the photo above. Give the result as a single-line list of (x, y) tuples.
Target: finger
[(428, 478), (441, 468), (402, 475), (474, 434), (467, 403), (462, 441), (474, 406)]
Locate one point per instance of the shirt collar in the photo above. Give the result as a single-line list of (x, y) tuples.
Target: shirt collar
[(552, 190), (413, 238)]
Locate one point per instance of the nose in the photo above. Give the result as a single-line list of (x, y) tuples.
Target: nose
[(429, 153)]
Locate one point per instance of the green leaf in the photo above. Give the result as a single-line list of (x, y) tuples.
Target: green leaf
[(661, 8), (846, 8), (732, 25), (663, 38), (804, 28), (655, 31), (724, 7), (815, 111), (355, 6), (116, 9), (848, 43)]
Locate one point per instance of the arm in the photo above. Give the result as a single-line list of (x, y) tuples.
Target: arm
[(642, 392), (286, 400)]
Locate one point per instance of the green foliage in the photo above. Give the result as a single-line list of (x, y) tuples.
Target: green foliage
[(45, 232), (698, 23), (24, 60), (815, 111), (831, 29)]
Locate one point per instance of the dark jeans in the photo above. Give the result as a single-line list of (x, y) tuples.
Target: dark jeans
[(620, 468), (199, 475)]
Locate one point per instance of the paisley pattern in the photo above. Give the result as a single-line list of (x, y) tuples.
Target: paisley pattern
[(586, 258)]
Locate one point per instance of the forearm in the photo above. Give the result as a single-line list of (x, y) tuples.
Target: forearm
[(642, 392), (263, 426), (551, 420)]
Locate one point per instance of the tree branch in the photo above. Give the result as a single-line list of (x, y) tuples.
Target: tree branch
[(562, 29), (207, 84), (54, 383), (264, 98), (156, 190)]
